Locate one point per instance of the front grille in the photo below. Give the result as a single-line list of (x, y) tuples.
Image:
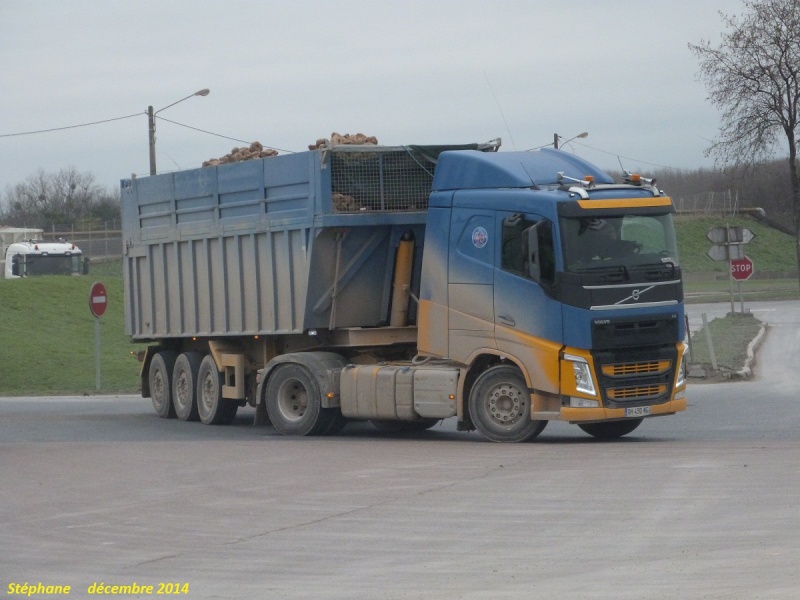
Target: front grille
[(634, 332), (637, 368), (636, 376), (627, 394)]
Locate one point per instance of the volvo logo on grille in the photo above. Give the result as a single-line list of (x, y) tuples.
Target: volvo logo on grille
[(635, 295)]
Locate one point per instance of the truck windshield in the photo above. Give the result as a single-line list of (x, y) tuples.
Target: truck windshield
[(628, 240), (52, 265)]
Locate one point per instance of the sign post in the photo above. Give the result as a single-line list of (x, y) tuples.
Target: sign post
[(741, 270), (729, 245), (98, 301)]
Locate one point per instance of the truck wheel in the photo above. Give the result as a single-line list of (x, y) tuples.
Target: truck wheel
[(184, 385), (160, 376), (611, 429), (294, 403), (212, 408), (500, 406), (338, 422)]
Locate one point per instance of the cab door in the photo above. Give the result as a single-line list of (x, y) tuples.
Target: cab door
[(470, 282), (528, 322)]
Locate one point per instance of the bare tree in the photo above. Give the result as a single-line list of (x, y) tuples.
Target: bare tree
[(68, 196), (753, 77)]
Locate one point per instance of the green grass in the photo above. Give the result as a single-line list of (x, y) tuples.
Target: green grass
[(49, 337), (772, 252), (730, 337), (48, 332)]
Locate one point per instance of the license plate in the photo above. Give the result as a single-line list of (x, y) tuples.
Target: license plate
[(637, 411)]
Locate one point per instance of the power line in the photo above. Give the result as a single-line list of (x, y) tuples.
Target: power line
[(644, 162), (52, 129), (218, 134), (69, 126)]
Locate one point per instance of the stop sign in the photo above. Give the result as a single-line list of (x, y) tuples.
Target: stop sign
[(98, 299), (741, 268)]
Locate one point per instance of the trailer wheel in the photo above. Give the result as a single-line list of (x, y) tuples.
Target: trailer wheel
[(294, 402), (500, 406), (212, 408), (611, 429), (184, 385), (160, 378)]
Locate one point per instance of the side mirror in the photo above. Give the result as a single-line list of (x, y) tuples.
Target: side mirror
[(15, 265), (85, 266)]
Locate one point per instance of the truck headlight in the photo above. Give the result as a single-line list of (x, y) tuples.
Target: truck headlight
[(681, 380), (583, 374)]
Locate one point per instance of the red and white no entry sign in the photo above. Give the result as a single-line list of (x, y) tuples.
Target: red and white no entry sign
[(98, 299)]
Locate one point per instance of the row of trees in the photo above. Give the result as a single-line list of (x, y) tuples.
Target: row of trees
[(68, 196), (47, 199), (765, 185)]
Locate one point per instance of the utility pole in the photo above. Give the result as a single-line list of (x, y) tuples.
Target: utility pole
[(151, 124)]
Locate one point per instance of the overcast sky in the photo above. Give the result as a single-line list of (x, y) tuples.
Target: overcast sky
[(285, 73)]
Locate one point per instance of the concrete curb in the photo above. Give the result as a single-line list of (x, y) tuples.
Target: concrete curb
[(746, 371)]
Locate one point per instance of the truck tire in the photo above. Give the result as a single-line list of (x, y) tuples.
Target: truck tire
[(212, 408), (338, 422), (160, 378), (294, 402), (184, 385), (500, 406), (610, 429)]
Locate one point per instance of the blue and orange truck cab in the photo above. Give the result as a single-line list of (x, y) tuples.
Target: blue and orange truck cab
[(568, 283)]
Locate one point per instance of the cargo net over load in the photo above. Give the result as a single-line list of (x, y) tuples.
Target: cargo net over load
[(368, 177)]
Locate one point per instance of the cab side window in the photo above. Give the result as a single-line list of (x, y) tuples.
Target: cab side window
[(528, 249), (514, 244)]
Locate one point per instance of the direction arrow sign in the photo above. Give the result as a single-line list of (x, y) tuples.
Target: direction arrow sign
[(718, 235), (718, 253), (730, 235), (98, 299), (726, 252), (747, 235)]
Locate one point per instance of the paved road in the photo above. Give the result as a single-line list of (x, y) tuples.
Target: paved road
[(700, 505)]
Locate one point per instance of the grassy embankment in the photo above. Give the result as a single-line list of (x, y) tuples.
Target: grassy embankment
[(772, 252), (48, 336), (48, 332)]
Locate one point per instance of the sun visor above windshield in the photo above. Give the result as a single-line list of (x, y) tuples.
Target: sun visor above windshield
[(469, 169)]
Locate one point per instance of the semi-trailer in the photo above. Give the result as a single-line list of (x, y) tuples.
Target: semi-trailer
[(403, 285)]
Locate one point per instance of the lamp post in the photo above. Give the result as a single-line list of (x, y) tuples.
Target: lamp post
[(151, 124), (557, 137)]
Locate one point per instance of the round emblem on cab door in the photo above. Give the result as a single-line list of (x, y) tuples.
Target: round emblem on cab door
[(479, 237)]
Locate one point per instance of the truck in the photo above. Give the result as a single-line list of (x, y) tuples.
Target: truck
[(34, 257), (404, 285)]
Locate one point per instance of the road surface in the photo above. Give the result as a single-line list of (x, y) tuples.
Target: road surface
[(700, 505)]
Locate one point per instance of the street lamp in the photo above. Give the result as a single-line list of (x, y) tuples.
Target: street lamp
[(151, 123), (557, 137)]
